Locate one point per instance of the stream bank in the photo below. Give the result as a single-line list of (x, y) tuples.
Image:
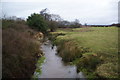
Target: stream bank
[(87, 49), (19, 50)]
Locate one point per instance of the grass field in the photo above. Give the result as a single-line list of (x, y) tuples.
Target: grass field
[(100, 41)]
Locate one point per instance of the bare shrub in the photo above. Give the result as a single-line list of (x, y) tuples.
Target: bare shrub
[(19, 52)]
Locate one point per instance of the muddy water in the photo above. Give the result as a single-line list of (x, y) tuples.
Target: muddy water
[(53, 66)]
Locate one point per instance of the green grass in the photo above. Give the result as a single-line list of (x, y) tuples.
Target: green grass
[(38, 67), (100, 39), (97, 45)]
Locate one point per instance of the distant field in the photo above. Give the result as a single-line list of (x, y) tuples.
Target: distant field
[(94, 50), (100, 39)]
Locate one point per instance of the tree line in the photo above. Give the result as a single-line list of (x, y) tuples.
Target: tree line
[(44, 21)]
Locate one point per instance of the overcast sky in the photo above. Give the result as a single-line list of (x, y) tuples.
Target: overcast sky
[(87, 11)]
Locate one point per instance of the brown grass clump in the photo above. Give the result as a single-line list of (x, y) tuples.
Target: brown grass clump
[(69, 51), (19, 50), (108, 70)]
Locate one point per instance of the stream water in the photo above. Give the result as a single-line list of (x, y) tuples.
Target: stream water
[(53, 67)]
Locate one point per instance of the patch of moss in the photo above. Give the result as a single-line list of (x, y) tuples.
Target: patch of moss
[(39, 67)]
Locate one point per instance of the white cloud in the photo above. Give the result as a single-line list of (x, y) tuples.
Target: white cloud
[(27, 0), (90, 11)]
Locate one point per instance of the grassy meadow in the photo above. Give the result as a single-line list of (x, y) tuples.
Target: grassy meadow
[(94, 50)]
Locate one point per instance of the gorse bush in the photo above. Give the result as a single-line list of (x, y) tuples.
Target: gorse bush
[(36, 21)]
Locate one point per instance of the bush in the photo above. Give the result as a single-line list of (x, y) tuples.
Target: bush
[(36, 21), (88, 64), (19, 52), (89, 61)]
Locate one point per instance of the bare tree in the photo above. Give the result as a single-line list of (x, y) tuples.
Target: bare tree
[(51, 19)]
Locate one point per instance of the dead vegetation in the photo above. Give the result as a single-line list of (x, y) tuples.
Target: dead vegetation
[(19, 50)]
